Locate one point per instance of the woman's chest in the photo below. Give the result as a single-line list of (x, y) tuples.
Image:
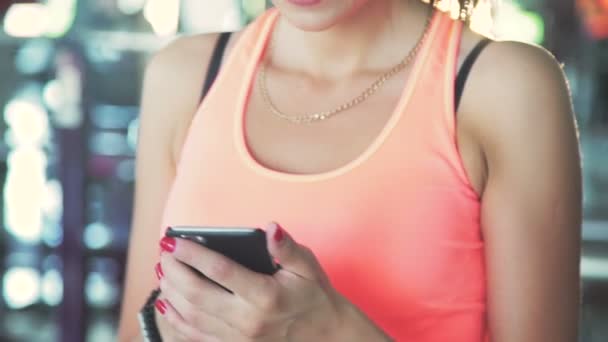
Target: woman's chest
[(321, 146), (407, 237)]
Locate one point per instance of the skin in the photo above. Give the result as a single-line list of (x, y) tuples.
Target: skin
[(521, 158)]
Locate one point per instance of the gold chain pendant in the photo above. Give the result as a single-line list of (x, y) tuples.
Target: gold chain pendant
[(368, 92)]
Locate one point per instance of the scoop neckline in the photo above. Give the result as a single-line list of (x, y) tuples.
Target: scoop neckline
[(243, 99)]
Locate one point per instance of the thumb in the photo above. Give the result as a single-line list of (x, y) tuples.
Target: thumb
[(292, 256)]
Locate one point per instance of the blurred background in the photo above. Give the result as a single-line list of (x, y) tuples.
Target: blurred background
[(70, 77)]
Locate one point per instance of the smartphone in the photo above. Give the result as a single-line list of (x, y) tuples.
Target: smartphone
[(247, 246)]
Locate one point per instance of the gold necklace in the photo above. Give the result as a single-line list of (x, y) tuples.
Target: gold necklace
[(368, 92)]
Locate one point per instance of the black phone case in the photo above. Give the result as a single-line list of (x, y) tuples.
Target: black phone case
[(247, 246)]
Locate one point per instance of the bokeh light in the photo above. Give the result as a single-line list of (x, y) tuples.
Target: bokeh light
[(26, 20), (163, 16), (97, 235), (24, 192), (52, 287), (99, 290), (21, 287)]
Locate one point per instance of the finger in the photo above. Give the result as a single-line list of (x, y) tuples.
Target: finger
[(242, 325), (292, 256), (179, 279), (196, 317), (247, 284), (167, 329), (178, 325)]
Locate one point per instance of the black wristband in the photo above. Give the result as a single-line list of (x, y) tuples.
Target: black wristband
[(147, 319)]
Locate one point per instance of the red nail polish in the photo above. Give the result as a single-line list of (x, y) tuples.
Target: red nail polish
[(159, 271), (279, 234), (167, 244), (160, 306)]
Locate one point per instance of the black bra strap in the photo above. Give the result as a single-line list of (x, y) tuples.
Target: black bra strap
[(465, 70), (216, 62)]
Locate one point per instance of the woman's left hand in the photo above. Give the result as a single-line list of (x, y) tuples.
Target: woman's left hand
[(297, 303)]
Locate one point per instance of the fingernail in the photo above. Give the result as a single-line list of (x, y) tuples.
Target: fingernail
[(159, 271), (160, 306), (167, 244), (279, 234)]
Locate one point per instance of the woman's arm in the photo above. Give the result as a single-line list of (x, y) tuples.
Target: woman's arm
[(171, 91), (518, 108)]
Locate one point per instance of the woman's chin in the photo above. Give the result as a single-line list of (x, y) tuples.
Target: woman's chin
[(310, 23), (320, 17)]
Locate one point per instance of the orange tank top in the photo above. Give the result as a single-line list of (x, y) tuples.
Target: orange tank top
[(397, 229)]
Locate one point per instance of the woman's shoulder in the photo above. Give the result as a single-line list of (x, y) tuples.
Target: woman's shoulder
[(510, 65), (173, 82), (186, 58), (508, 55), (517, 93), (512, 74)]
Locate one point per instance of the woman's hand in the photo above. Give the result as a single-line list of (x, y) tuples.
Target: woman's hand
[(295, 304)]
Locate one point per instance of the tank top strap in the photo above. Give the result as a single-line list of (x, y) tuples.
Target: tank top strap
[(452, 43), (436, 79), (444, 71), (429, 116)]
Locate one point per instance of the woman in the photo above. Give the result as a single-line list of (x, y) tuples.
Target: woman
[(398, 217)]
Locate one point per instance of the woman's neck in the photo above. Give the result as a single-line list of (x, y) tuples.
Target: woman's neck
[(375, 37)]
